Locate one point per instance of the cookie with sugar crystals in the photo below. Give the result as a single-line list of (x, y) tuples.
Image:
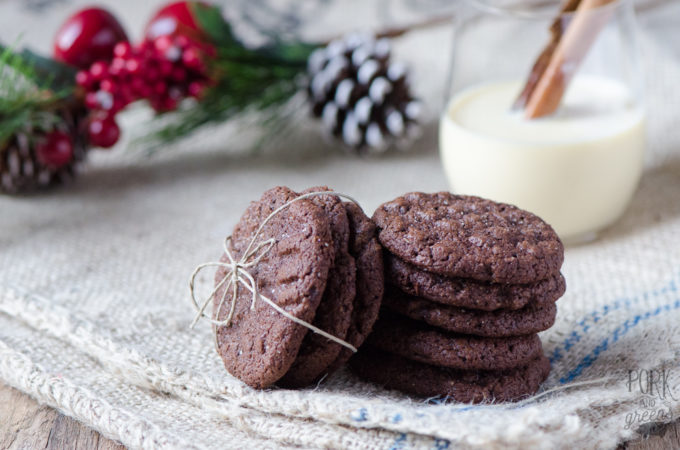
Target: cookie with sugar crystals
[(533, 318), (334, 313), (469, 293), (469, 237), (423, 380), (419, 342), (370, 285), (260, 344)]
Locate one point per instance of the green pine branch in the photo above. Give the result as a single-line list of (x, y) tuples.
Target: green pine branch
[(31, 87)]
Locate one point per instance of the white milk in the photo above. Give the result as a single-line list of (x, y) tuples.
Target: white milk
[(577, 169)]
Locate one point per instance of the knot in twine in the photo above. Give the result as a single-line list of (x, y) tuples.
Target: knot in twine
[(238, 274)]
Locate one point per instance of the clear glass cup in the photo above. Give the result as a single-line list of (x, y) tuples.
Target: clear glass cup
[(578, 167)]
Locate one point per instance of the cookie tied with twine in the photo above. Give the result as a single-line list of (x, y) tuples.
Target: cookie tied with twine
[(269, 284)]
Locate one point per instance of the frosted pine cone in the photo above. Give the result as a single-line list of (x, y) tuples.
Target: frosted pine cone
[(22, 171), (361, 97)]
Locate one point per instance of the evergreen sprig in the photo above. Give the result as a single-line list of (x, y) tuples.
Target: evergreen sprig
[(260, 79), (31, 87)]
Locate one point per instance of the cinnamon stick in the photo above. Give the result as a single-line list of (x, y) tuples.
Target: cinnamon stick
[(543, 60), (566, 57)]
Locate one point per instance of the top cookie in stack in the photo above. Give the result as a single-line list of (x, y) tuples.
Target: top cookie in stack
[(470, 283), (324, 267)]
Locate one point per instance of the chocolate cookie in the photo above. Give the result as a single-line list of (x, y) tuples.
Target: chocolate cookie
[(419, 342), (469, 237), (260, 344), (395, 372), (334, 313), (468, 293), (535, 317), (366, 249)]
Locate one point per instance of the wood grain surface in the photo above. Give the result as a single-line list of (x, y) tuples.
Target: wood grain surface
[(26, 425)]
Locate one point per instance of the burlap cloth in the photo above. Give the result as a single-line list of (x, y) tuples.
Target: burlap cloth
[(94, 297)]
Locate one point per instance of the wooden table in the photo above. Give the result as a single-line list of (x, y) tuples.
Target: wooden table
[(26, 425)]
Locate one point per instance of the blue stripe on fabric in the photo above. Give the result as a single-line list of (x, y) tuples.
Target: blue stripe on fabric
[(620, 331), (399, 443), (441, 444), (583, 326), (360, 415)]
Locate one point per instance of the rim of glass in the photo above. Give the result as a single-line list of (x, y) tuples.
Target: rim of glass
[(526, 13)]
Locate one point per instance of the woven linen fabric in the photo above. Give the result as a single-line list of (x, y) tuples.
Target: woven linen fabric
[(94, 301)]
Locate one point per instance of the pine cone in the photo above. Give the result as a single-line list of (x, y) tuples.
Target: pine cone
[(362, 97), (20, 169)]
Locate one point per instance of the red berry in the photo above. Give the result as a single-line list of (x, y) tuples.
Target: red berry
[(133, 65), (108, 85), (152, 74), (103, 131), (117, 66), (137, 83), (118, 105), (55, 150), (163, 43), (91, 100), (122, 50), (168, 104), (175, 18), (165, 67), (147, 50), (98, 70), (84, 79), (160, 88), (196, 89), (88, 36), (182, 41), (191, 58), (139, 87), (127, 94)]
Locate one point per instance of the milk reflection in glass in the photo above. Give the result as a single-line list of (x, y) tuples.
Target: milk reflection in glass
[(577, 169)]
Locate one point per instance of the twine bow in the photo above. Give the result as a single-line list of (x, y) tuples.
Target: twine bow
[(238, 275)]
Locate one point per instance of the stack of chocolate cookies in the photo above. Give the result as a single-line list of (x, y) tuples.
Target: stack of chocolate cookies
[(324, 268), (469, 284)]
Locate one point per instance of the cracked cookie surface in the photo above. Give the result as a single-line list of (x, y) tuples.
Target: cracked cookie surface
[(469, 237)]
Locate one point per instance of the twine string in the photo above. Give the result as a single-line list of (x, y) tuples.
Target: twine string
[(532, 399), (237, 274)]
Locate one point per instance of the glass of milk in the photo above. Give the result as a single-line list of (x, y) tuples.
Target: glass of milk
[(576, 168)]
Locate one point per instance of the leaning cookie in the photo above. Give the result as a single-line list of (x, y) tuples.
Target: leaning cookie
[(411, 377), (260, 344), (533, 318), (334, 313), (469, 237), (370, 285), (419, 342), (469, 293)]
